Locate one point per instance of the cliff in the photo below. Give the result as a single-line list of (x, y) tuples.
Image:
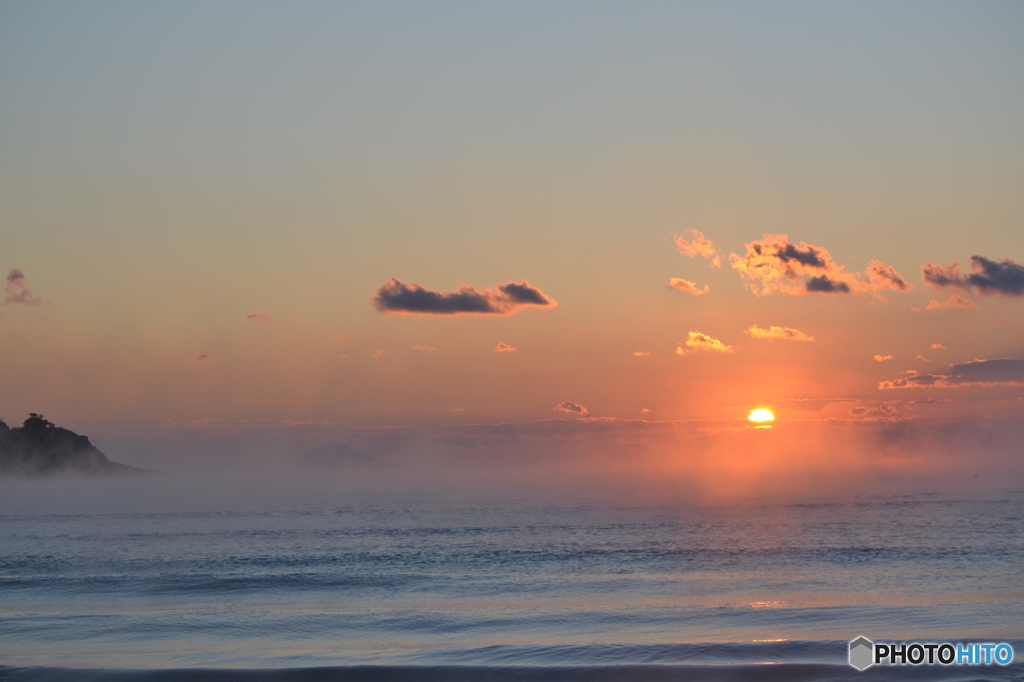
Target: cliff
[(39, 448)]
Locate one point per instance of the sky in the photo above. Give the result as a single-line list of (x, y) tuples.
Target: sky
[(477, 232)]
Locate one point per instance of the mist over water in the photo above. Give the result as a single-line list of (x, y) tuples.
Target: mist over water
[(395, 569)]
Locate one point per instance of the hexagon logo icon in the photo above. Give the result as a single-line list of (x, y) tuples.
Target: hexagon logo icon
[(861, 652)]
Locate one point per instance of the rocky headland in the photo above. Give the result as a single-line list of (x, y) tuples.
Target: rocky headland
[(39, 448)]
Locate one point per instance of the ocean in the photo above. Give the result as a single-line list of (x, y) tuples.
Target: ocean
[(509, 591)]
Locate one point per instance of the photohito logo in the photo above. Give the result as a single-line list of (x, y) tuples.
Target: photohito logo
[(864, 653)]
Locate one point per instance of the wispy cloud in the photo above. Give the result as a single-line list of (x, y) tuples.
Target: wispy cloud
[(699, 341), (377, 354), (687, 286), (938, 346), (503, 347), (204, 357), (774, 264), (953, 301), (396, 296), (989, 276), (423, 348), (698, 245), (571, 408), (882, 358), (17, 290), (777, 333), (259, 317), (975, 373), (641, 353)]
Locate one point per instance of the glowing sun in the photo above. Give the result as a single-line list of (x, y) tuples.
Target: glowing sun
[(761, 415)]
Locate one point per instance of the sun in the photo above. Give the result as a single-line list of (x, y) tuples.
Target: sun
[(761, 415)]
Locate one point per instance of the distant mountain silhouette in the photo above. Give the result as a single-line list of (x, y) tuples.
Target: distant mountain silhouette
[(38, 448), (341, 457)]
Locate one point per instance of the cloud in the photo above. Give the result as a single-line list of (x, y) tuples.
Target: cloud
[(698, 341), (571, 408), (882, 358), (884, 410), (396, 296), (989, 276), (259, 317), (923, 358), (773, 263), (938, 346), (376, 355), (204, 357), (998, 372), (641, 353), (777, 333), (503, 347), (17, 290), (687, 286), (423, 348), (953, 301), (699, 245), (644, 410)]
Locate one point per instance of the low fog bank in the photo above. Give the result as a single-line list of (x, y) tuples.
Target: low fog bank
[(581, 461)]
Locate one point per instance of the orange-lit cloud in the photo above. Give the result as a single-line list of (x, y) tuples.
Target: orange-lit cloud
[(699, 245), (924, 359), (503, 347), (644, 410), (396, 296), (989, 276), (259, 317), (687, 286), (571, 408), (377, 354), (953, 301), (998, 372), (698, 341), (882, 358), (423, 348), (641, 353), (17, 290), (938, 346), (777, 333), (773, 263)]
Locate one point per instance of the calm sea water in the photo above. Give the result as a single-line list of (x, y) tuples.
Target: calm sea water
[(508, 591)]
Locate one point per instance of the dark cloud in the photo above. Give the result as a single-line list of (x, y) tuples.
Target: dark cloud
[(259, 317), (571, 407), (773, 263), (501, 299), (975, 373), (989, 276), (824, 285), (17, 289)]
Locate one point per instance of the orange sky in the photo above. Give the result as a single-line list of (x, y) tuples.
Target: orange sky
[(351, 220)]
